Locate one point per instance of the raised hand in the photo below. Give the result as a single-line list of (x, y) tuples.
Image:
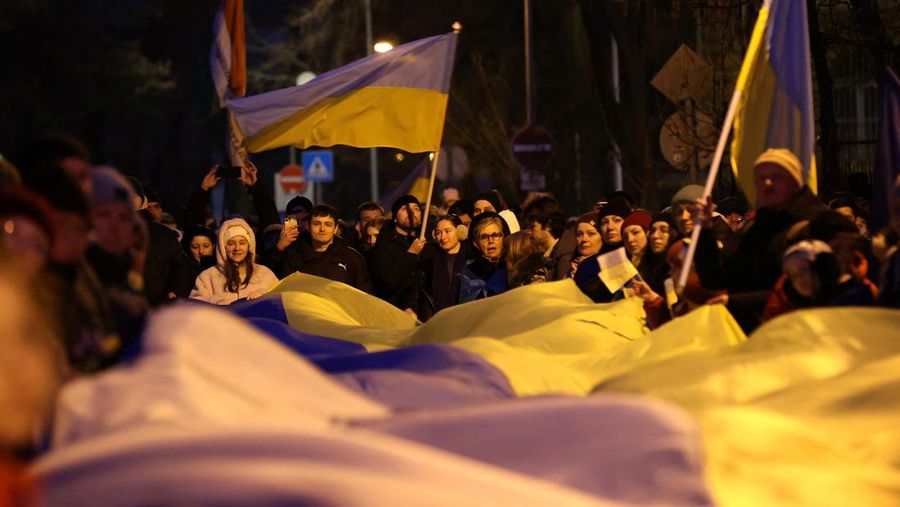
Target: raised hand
[(210, 180)]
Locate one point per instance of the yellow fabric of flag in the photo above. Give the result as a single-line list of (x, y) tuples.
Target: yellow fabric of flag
[(396, 99), (546, 338), (805, 412)]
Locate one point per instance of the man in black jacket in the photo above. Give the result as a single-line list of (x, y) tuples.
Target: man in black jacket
[(167, 274), (397, 260), (328, 256), (749, 263)]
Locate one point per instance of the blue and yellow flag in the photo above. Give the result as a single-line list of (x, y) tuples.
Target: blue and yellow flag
[(887, 166), (776, 108), (396, 99)]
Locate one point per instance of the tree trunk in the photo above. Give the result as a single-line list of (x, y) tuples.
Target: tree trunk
[(629, 115)]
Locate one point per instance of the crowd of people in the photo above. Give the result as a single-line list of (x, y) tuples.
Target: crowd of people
[(100, 251)]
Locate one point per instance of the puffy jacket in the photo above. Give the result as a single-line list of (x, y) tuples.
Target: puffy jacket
[(210, 284)]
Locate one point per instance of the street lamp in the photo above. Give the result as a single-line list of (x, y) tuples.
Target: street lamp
[(382, 46), (373, 153), (302, 78), (305, 77)]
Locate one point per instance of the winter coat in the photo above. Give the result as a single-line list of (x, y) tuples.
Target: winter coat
[(749, 263), (399, 276), (210, 285), (123, 290), (340, 263), (783, 298), (443, 278), (560, 258), (91, 340), (482, 278), (166, 268)]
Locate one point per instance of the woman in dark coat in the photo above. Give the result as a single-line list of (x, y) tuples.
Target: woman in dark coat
[(444, 277), (654, 268), (199, 245)]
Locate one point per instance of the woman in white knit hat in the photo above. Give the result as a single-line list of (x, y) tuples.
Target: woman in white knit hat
[(235, 276)]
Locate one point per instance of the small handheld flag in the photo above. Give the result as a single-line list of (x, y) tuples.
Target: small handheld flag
[(615, 269)]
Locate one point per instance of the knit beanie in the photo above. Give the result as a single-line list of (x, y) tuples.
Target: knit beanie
[(617, 206), (664, 216), (489, 197), (403, 201), (688, 193), (298, 203), (230, 229), (785, 159), (592, 218), (638, 217), (109, 186), (511, 221)]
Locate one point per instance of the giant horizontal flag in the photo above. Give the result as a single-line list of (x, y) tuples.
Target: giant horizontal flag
[(318, 393), (775, 108), (396, 99)]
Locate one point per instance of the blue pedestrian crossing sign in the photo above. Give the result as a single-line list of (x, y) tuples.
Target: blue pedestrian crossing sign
[(318, 165)]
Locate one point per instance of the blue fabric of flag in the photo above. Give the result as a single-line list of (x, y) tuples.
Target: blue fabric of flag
[(412, 377), (789, 57), (887, 166)]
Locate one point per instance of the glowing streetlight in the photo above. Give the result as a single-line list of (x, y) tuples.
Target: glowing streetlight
[(305, 77), (382, 46)]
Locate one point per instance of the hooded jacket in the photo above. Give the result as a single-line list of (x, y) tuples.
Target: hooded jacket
[(210, 284)]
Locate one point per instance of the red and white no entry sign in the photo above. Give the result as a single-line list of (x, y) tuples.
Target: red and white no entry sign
[(291, 179)]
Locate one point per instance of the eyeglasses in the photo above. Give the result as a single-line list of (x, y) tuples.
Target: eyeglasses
[(485, 238)]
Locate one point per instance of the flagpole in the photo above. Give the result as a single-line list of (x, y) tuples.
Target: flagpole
[(457, 27), (434, 166), (707, 190)]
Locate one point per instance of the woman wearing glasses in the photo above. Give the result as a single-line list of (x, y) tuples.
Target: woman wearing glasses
[(485, 274)]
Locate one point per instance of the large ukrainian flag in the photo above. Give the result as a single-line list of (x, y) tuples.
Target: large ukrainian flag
[(396, 99), (776, 108)]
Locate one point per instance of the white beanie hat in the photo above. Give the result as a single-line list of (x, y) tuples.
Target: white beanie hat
[(231, 229)]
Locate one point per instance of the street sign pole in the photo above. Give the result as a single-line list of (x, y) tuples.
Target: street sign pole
[(529, 70), (373, 152)]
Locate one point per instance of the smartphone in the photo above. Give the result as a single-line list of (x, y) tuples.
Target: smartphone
[(225, 171), (290, 223)]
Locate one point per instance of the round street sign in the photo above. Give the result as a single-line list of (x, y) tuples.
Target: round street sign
[(291, 179), (532, 147), (679, 142)]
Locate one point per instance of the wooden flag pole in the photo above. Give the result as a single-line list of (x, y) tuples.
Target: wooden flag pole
[(457, 27), (707, 191), (434, 166)]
